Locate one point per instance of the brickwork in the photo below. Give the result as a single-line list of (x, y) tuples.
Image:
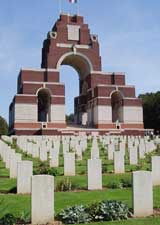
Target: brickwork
[(70, 43)]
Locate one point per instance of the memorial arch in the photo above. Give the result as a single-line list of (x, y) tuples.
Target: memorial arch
[(99, 103)]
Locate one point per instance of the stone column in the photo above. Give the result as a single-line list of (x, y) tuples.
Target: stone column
[(94, 174), (42, 199), (24, 174), (142, 194), (156, 170)]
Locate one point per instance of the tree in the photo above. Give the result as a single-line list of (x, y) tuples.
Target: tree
[(70, 118), (3, 126), (151, 110)]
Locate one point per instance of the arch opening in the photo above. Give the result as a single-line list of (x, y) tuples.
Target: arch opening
[(79, 62), (44, 105), (83, 66), (69, 76), (117, 107)]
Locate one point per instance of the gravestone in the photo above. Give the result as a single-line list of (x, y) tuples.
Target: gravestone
[(156, 170), (142, 194), (94, 174), (24, 174), (42, 199), (119, 162), (69, 164)]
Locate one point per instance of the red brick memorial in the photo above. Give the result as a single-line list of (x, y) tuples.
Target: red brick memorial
[(105, 102)]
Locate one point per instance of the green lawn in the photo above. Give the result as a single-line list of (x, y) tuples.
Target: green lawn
[(7, 185), (145, 221), (17, 204), (79, 182), (112, 183)]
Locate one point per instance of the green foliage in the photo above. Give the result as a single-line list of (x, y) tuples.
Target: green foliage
[(3, 126), (45, 170), (73, 215), (70, 118), (126, 182), (151, 110), (25, 217), (114, 184), (148, 156), (109, 211), (102, 211), (65, 185), (14, 143), (8, 219)]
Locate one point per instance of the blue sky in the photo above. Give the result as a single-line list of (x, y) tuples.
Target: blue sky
[(129, 36)]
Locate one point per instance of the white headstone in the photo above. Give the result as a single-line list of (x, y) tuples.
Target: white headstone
[(94, 174), (24, 174), (13, 164), (69, 164), (156, 170), (42, 199), (119, 162), (142, 194)]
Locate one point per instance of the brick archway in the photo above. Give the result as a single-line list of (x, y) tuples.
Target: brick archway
[(70, 43), (78, 61)]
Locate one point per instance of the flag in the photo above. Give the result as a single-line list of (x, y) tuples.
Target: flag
[(73, 1)]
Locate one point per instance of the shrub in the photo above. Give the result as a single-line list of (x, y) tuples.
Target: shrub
[(14, 143), (102, 211), (25, 217), (109, 211), (104, 169), (114, 185), (126, 183), (3, 126), (44, 168), (8, 219), (73, 215), (65, 185)]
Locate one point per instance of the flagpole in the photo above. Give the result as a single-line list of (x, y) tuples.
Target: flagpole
[(77, 7), (60, 6)]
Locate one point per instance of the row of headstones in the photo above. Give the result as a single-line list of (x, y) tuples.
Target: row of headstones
[(95, 167), (42, 197), (142, 188), (42, 148), (144, 145), (10, 158), (23, 170), (69, 158)]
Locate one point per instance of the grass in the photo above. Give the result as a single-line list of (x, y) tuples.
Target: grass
[(7, 185), (145, 221), (17, 204), (79, 182)]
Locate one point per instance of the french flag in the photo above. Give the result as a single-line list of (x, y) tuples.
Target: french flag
[(73, 1)]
